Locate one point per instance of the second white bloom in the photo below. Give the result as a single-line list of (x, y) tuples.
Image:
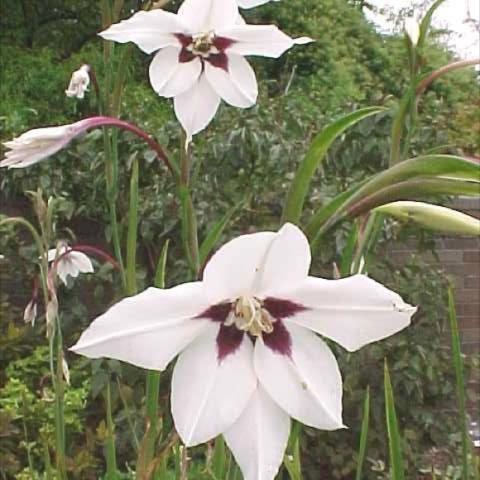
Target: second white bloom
[(200, 56)]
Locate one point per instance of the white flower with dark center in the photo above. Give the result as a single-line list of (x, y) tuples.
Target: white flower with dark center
[(69, 262), (250, 357), (200, 56), (79, 82), (35, 145)]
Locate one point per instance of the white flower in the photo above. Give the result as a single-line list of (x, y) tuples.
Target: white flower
[(79, 82), (412, 30), (70, 262), (200, 57), (35, 145), (252, 3), (246, 334)]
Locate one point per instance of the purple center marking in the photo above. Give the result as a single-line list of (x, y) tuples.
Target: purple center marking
[(230, 337)]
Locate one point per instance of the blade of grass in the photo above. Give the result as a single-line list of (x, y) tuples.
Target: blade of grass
[(363, 435), (460, 381), (394, 439)]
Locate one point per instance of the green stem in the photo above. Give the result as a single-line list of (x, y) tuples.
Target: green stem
[(110, 440), (460, 381), (132, 231), (56, 351), (189, 219), (131, 425)]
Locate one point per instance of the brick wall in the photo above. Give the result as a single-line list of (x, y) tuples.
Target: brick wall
[(459, 257)]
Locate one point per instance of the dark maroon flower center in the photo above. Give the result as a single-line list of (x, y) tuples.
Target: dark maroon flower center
[(233, 326), (208, 47)]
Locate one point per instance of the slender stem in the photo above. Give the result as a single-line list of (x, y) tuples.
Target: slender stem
[(423, 85), (110, 440), (132, 232)]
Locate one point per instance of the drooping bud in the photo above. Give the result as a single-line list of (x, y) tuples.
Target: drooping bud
[(412, 30), (30, 312), (79, 82), (51, 315), (65, 370)]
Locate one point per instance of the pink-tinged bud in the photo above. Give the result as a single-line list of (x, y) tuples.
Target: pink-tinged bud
[(79, 82), (30, 312), (33, 146)]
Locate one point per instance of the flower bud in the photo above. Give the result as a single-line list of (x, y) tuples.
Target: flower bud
[(79, 82), (412, 30), (66, 371), (433, 217), (30, 312)]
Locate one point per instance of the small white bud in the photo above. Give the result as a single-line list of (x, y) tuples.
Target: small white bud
[(412, 30), (79, 82), (66, 371), (30, 312)]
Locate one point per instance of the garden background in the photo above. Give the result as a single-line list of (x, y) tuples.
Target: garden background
[(247, 157)]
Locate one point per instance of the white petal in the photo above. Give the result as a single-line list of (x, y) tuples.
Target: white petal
[(260, 264), (308, 384), (286, 263), (196, 107), (169, 77), (231, 271), (205, 15), (258, 439), (208, 396), (238, 86), (52, 253), (81, 262), (263, 40), (63, 270), (352, 311), (150, 30), (251, 3), (148, 329)]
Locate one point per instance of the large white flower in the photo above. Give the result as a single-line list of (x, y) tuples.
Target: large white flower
[(252, 3), (200, 55), (69, 262), (246, 334)]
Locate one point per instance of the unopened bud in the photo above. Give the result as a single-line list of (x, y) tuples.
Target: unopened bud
[(79, 82), (51, 315), (66, 371), (30, 312), (412, 30), (433, 217)]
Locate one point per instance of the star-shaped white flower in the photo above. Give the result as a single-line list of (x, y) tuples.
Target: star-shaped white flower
[(200, 56), (252, 3), (79, 82), (69, 262), (246, 334)]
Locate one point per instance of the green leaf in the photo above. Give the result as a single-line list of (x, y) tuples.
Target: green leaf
[(394, 439), (219, 458), (214, 234), (159, 281), (414, 189), (449, 169), (363, 435), (460, 381), (433, 217), (348, 251), (313, 158), (132, 232), (426, 21)]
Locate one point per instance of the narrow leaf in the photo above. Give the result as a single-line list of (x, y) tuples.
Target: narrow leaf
[(314, 157), (219, 458), (433, 217), (426, 21), (394, 439), (460, 381), (363, 435), (441, 167)]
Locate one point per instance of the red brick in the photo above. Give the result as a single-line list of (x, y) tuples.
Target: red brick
[(468, 309), (466, 295), (469, 322), (473, 257), (471, 282), (461, 243), (470, 335)]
